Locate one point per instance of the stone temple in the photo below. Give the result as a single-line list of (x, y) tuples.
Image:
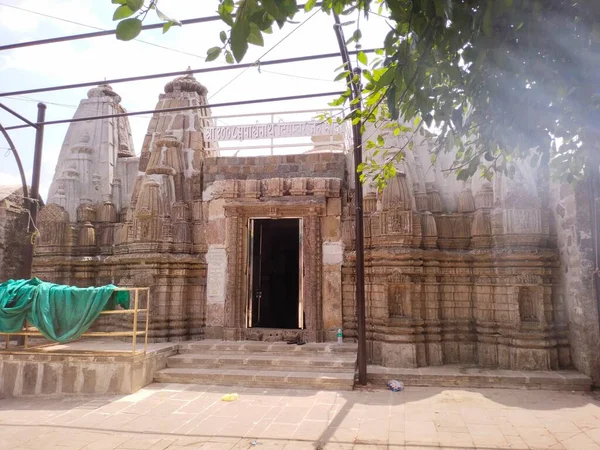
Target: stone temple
[(493, 275)]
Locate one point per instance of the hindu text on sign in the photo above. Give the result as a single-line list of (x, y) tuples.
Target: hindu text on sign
[(271, 131)]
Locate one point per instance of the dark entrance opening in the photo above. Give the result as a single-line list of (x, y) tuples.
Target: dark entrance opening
[(275, 273)]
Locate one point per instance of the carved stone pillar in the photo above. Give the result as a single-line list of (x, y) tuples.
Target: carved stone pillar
[(311, 284), (233, 298)]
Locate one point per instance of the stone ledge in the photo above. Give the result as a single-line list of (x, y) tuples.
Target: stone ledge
[(85, 367), (473, 377), (282, 379)]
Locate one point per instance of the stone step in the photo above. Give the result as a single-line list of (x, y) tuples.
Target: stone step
[(260, 361), (275, 348), (252, 378), (475, 377)]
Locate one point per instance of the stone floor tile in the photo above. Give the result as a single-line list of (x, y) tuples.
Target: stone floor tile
[(108, 442), (340, 435), (396, 438), (373, 431), (189, 441), (311, 430), (448, 420), (459, 440), (324, 412), (292, 414), (269, 444), (299, 445), (516, 442), (537, 438), (580, 441), (337, 446), (420, 433), (140, 443), (594, 434), (280, 431)]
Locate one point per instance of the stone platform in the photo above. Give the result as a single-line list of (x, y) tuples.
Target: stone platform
[(83, 367), (475, 377), (263, 364)]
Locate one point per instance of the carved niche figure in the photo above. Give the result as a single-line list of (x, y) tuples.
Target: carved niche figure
[(526, 305), (398, 300)]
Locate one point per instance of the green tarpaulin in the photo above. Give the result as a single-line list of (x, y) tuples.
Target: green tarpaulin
[(61, 313)]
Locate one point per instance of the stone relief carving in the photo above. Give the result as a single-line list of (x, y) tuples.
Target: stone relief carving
[(398, 300), (527, 310)]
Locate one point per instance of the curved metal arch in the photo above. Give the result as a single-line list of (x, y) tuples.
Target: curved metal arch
[(12, 147)]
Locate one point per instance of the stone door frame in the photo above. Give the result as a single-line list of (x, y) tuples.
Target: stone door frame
[(238, 215)]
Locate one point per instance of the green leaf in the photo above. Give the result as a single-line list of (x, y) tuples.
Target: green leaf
[(129, 29), (310, 4), (225, 9), (213, 53), (273, 8), (135, 5), (342, 75), (223, 36), (119, 2), (362, 58), (255, 36), (122, 12), (239, 42), (167, 26), (229, 57)]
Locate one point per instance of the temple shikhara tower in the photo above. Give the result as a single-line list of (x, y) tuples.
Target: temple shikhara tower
[(262, 248)]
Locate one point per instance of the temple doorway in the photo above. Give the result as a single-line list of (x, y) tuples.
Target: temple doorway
[(275, 274)]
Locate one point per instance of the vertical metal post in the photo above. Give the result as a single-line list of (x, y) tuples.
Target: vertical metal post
[(35, 187), (355, 93), (147, 320), (135, 320), (360, 252)]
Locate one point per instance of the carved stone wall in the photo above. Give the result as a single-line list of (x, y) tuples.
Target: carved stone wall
[(151, 231), (13, 235), (456, 272), (575, 275), (440, 291), (230, 205)]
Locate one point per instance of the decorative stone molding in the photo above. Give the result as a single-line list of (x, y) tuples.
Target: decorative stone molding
[(466, 202)]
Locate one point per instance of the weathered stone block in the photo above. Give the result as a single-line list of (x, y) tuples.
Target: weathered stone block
[(51, 379), (30, 378), (334, 206), (331, 228), (399, 354)]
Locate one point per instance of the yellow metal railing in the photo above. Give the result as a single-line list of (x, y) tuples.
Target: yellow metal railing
[(29, 331)]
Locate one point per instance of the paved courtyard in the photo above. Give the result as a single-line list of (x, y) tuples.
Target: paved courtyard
[(170, 416)]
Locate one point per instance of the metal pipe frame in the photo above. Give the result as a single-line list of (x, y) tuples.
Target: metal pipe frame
[(135, 311), (186, 108), (180, 73), (355, 94)]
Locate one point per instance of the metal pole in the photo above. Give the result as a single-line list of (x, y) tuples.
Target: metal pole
[(187, 108), (355, 93), (360, 255), (35, 186), (270, 62)]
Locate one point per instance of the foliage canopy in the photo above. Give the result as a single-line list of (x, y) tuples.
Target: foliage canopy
[(499, 81)]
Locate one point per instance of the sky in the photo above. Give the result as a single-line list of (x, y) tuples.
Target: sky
[(182, 47)]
